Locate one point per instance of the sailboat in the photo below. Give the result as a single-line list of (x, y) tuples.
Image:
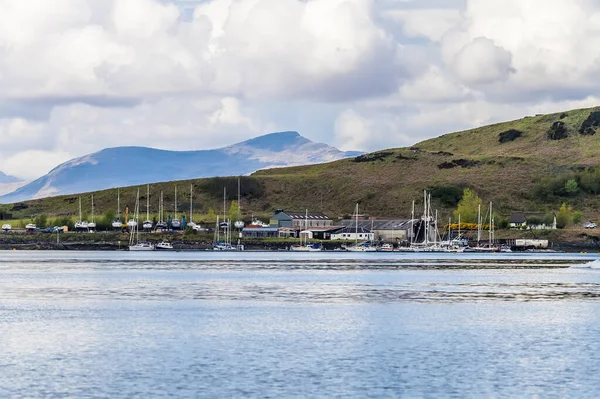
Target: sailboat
[(191, 223), (80, 224), (364, 246), (239, 224), (117, 222), (147, 225), (161, 225), (304, 246), (224, 245), (175, 223), (92, 224), (490, 248), (134, 238)]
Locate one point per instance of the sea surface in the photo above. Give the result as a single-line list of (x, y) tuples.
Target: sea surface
[(288, 325)]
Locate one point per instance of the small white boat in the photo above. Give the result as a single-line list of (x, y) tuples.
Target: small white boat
[(148, 225), (116, 224), (361, 248), (6, 227), (386, 248), (31, 227), (164, 246), (223, 246), (132, 224), (175, 224), (81, 225), (306, 248), (142, 246)]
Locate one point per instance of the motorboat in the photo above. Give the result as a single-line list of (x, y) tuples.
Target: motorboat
[(148, 225), (132, 224), (116, 224), (6, 228), (164, 246), (31, 227), (386, 248)]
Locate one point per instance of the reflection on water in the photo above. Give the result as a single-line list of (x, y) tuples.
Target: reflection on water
[(284, 325)]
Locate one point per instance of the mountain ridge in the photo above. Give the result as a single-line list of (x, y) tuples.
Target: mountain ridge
[(105, 168)]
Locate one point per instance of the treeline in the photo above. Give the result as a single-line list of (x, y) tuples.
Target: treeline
[(568, 184)]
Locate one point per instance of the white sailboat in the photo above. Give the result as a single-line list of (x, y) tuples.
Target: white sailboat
[(304, 246), (190, 222), (92, 224), (489, 248), (80, 225), (161, 225), (147, 225), (116, 224), (363, 246), (224, 245), (134, 238), (175, 223)]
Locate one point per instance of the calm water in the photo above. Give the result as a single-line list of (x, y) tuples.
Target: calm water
[(298, 325)]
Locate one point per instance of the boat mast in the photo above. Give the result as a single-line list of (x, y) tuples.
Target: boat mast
[(426, 217), (191, 202), (356, 231), (459, 226), (119, 203), (479, 224), (239, 199), (92, 208), (175, 217), (412, 221), (491, 233), (80, 219), (147, 202)]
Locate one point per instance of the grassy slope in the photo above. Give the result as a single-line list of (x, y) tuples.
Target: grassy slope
[(387, 187)]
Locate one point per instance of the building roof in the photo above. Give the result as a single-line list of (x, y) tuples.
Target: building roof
[(521, 217), (304, 214), (352, 230), (380, 224), (265, 229)]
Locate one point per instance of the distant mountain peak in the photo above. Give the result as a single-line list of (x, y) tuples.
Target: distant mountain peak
[(127, 166), (4, 178)]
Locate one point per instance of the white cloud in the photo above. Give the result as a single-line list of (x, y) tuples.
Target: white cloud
[(28, 164), (80, 75), (351, 130), (483, 62)]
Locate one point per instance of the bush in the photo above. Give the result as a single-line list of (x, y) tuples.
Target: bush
[(447, 195), (571, 187), (577, 217), (564, 217)]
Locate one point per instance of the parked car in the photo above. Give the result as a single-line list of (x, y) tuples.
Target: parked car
[(590, 225)]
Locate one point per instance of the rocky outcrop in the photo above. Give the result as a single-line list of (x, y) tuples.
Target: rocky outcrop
[(558, 131), (588, 127), (509, 135)]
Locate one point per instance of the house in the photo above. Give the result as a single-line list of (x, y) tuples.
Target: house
[(256, 231), (299, 220), (389, 230), (530, 221), (352, 233)]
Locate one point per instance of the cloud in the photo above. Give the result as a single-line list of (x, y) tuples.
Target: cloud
[(483, 62), (80, 75)]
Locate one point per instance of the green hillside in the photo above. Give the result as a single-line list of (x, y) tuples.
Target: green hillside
[(520, 165)]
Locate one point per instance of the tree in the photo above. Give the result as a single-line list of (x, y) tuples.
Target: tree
[(41, 220), (468, 206), (571, 187), (577, 217), (233, 211), (211, 216), (564, 217)]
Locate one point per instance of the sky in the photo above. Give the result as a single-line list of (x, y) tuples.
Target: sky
[(77, 76)]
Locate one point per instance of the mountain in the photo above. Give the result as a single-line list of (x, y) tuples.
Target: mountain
[(4, 178), (532, 164), (125, 166)]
